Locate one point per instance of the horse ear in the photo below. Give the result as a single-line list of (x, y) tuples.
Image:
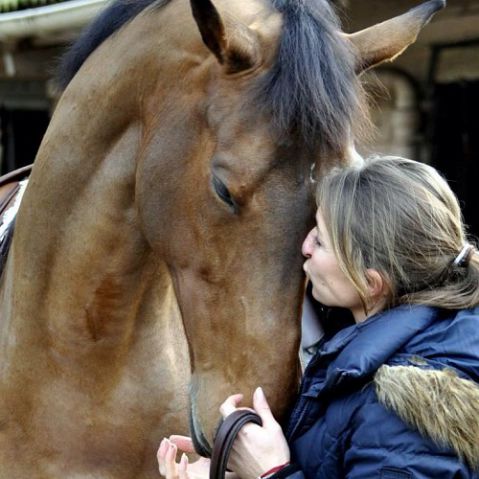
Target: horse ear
[(233, 43), (389, 39)]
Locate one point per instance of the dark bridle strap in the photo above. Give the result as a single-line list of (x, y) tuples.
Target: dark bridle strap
[(225, 438)]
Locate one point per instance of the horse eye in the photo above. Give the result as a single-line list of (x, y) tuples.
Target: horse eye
[(222, 191)]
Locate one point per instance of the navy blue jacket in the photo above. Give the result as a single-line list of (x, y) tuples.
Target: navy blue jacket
[(369, 391)]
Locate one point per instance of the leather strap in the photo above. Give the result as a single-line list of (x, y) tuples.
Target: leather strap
[(225, 438), (16, 175)]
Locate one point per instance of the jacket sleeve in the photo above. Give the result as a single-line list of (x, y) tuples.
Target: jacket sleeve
[(382, 446)]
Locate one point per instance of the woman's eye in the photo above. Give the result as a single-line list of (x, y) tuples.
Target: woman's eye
[(223, 193)]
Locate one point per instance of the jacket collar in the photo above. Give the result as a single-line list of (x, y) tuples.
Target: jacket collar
[(355, 353)]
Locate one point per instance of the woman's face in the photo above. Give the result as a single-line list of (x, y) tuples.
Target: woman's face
[(331, 287)]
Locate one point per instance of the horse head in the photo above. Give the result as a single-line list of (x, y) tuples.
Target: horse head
[(270, 93)]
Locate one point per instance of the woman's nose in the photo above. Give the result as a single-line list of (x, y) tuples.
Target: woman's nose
[(306, 248)]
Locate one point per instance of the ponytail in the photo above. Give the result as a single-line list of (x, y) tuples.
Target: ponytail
[(460, 288)]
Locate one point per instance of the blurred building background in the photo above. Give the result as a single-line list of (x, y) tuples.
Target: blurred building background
[(33, 36), (426, 109)]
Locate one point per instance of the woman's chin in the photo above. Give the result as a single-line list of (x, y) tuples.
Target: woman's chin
[(317, 295), (322, 298)]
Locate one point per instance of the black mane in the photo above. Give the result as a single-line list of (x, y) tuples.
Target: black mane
[(107, 23), (311, 89)]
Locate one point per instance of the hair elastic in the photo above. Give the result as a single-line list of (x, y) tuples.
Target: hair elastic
[(463, 257)]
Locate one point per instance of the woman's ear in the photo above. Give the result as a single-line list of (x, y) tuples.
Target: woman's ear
[(378, 287)]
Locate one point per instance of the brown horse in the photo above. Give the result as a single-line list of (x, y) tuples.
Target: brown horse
[(158, 241)]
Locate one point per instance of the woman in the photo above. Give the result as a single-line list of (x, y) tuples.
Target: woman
[(396, 395)]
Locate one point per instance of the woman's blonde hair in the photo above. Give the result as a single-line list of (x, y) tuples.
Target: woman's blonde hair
[(400, 218)]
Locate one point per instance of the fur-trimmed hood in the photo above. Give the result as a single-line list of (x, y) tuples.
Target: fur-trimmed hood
[(438, 403)]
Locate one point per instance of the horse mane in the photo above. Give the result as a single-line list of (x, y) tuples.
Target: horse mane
[(312, 88), (104, 25)]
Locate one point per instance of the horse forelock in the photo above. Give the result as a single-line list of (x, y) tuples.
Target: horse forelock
[(312, 87)]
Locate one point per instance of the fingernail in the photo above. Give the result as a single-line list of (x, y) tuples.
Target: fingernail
[(259, 393), (184, 458)]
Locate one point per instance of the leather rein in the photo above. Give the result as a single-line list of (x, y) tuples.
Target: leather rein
[(225, 438)]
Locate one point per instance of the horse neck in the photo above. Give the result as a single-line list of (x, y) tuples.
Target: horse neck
[(81, 267)]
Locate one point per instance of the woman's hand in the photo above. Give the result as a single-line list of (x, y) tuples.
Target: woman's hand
[(168, 466), (257, 449)]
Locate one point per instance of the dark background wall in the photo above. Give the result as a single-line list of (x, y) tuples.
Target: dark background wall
[(455, 143)]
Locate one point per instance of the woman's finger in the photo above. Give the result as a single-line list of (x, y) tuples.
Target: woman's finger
[(161, 457), (262, 408), (231, 404), (183, 467), (184, 443), (170, 462)]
